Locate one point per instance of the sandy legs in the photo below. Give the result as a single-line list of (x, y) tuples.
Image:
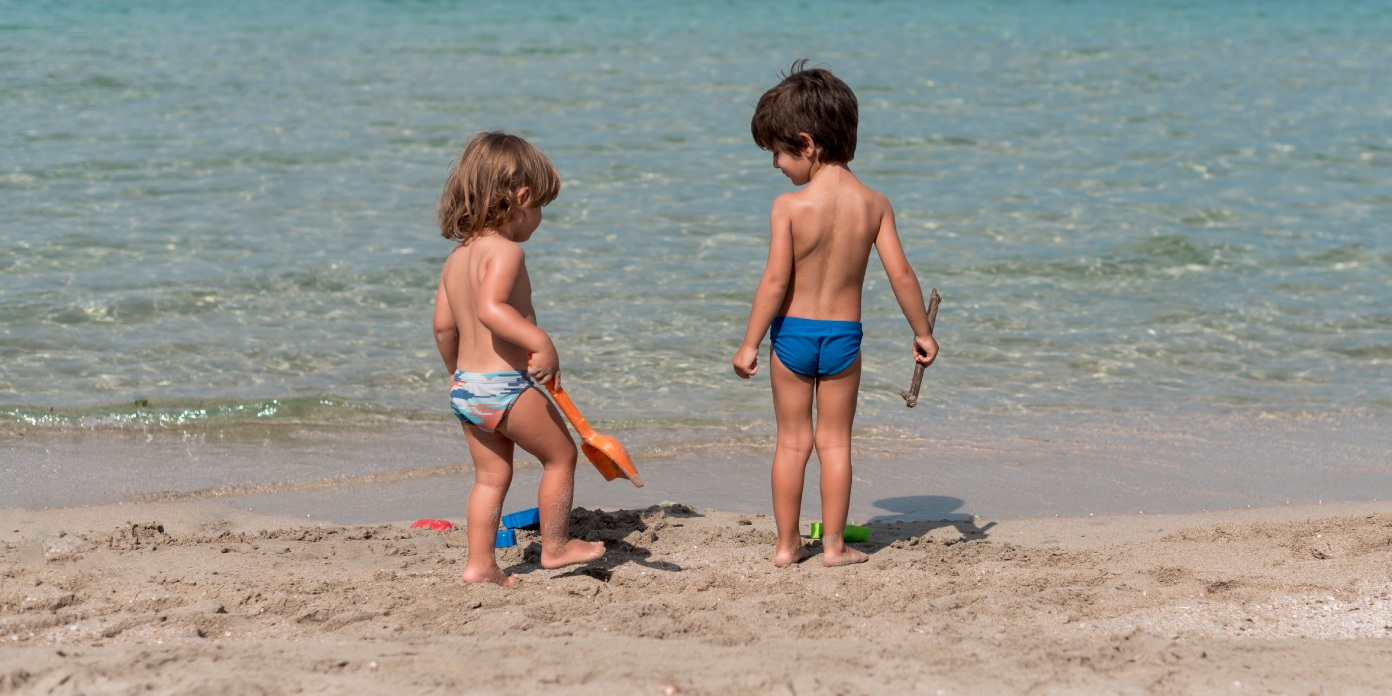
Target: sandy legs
[(492, 456), (535, 425), (836, 405), (835, 398)]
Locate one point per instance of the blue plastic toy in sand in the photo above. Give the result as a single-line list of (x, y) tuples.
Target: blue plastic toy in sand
[(526, 519), (506, 538)]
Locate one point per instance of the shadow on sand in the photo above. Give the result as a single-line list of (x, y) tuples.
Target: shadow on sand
[(916, 515), (612, 528)]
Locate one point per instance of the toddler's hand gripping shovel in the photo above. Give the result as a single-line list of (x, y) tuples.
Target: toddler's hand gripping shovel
[(604, 451)]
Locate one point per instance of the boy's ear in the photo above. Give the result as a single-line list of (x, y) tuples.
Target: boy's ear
[(809, 146), (524, 195)]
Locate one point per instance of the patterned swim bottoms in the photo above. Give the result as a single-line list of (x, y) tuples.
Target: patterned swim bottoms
[(484, 398)]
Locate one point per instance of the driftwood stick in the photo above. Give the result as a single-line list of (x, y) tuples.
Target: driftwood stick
[(911, 396)]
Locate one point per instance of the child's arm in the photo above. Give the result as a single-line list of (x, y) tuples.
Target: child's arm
[(499, 277), (446, 330), (772, 287), (907, 291)]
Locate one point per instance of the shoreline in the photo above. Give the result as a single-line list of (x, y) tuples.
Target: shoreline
[(173, 597), (1032, 466)]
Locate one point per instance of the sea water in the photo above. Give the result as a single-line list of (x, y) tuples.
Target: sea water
[(219, 219)]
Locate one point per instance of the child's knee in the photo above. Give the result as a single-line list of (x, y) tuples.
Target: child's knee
[(829, 442), (565, 457), (801, 444)]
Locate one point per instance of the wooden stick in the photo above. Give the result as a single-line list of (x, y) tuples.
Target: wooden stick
[(911, 396)]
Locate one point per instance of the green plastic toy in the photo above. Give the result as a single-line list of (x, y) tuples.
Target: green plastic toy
[(854, 532)]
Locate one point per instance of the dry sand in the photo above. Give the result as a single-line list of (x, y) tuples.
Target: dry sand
[(175, 598)]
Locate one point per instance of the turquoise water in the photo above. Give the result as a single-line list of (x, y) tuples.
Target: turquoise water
[(224, 215)]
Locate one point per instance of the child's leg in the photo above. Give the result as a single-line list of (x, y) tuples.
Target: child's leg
[(492, 454), (792, 409), (535, 425), (836, 407)]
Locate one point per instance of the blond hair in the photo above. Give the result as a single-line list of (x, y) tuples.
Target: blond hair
[(481, 192)]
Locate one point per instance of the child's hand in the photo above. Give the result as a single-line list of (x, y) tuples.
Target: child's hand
[(544, 366), (925, 349), (746, 362)]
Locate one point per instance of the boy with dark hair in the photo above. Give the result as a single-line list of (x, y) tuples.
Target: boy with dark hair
[(809, 298)]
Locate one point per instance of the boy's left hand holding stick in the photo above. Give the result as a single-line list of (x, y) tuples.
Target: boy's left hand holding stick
[(911, 396)]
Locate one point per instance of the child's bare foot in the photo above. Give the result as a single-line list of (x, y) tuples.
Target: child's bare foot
[(846, 556), (783, 559), (574, 551), (495, 575)]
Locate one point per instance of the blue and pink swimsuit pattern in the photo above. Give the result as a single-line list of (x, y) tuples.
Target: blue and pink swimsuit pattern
[(483, 399)]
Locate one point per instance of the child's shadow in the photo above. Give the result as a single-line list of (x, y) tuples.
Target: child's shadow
[(612, 528), (917, 515)]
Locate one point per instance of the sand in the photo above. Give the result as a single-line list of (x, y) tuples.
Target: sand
[(193, 597)]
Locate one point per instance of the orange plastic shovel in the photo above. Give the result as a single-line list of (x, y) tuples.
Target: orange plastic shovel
[(604, 451)]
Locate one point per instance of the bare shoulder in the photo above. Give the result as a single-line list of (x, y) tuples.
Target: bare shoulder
[(497, 248), (875, 198), (848, 188), (481, 256), (791, 200), (876, 207), (455, 261)]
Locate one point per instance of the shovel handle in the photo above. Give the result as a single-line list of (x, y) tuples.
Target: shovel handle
[(572, 413)]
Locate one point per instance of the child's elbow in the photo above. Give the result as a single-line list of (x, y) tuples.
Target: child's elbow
[(775, 282), (446, 337), (493, 315), (903, 276), (445, 326)]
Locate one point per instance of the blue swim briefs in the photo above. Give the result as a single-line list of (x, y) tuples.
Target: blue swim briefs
[(815, 347)]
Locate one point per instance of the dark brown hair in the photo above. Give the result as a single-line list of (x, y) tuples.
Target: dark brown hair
[(811, 101), (482, 190)]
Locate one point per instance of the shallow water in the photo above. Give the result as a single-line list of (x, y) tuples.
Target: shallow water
[(219, 217)]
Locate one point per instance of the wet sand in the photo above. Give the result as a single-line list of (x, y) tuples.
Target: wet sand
[(953, 467)]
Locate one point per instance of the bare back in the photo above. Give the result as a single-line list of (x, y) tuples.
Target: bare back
[(833, 224), (477, 278)]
